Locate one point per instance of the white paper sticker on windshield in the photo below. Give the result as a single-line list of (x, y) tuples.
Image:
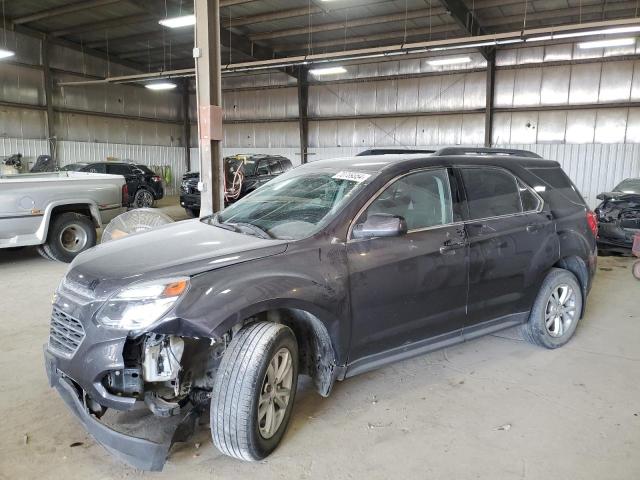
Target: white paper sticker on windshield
[(352, 176)]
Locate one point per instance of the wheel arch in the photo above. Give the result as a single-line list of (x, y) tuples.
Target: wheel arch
[(318, 353), (83, 207)]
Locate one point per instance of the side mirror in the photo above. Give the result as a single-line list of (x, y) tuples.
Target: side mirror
[(381, 225), (600, 196)]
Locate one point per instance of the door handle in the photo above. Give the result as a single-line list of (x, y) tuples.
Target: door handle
[(451, 248), (533, 228)]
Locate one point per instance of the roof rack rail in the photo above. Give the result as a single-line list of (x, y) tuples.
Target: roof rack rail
[(393, 151), (507, 152)]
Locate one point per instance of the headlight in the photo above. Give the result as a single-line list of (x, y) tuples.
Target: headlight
[(140, 305)]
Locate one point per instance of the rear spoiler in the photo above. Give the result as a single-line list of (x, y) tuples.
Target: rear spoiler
[(506, 152)]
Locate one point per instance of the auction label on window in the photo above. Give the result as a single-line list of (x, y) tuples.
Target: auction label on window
[(353, 176)]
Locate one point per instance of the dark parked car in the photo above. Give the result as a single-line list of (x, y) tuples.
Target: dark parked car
[(243, 174), (619, 217), (145, 186), (330, 270)]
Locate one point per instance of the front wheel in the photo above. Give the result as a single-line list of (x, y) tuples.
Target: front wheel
[(556, 311), (192, 212), (254, 391)]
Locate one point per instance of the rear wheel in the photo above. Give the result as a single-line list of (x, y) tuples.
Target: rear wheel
[(69, 235), (254, 391), (556, 311), (143, 199)]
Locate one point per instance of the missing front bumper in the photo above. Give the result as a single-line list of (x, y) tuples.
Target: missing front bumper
[(137, 452)]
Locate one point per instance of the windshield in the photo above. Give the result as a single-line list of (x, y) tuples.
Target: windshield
[(630, 185), (296, 204)]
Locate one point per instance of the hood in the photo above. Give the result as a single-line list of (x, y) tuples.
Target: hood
[(181, 248)]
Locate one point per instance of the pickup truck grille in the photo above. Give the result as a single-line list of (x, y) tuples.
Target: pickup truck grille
[(66, 333)]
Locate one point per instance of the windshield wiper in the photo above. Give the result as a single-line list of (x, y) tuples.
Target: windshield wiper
[(257, 231), (239, 227)]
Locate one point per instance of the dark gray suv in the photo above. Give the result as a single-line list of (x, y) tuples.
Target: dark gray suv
[(329, 270)]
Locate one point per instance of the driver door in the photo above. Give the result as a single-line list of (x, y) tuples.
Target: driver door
[(409, 292)]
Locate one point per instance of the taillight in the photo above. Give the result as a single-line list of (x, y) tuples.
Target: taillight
[(156, 178), (125, 195), (592, 220)]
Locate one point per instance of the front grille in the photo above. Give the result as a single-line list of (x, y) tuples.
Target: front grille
[(66, 333)]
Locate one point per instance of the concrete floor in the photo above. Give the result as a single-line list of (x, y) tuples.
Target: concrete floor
[(494, 408)]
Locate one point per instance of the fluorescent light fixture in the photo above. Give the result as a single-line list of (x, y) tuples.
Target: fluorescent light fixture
[(178, 22), (614, 42), (6, 53), (161, 86), (449, 61), (477, 44), (586, 33), (327, 71)]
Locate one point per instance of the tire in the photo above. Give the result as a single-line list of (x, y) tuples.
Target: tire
[(69, 235), (143, 199), (240, 383), (546, 328), (192, 212), (636, 269), (41, 251)]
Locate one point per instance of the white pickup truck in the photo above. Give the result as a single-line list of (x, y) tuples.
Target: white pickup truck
[(58, 212)]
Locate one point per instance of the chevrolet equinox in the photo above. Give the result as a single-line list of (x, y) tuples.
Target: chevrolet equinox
[(332, 269)]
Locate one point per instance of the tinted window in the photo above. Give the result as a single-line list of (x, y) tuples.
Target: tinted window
[(146, 170), (263, 168), (274, 166), (73, 167), (530, 202), (423, 199), (118, 169), (95, 168), (491, 192), (286, 164)]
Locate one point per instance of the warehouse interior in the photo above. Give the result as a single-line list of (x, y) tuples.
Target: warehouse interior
[(311, 80)]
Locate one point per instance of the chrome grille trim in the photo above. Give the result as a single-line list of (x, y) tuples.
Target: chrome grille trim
[(65, 334)]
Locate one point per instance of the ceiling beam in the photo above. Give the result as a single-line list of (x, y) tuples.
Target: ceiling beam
[(57, 11), (106, 24), (173, 49), (467, 20), (395, 35), (231, 3), (360, 22), (271, 16)]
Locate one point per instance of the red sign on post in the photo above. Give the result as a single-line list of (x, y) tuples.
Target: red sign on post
[(210, 123)]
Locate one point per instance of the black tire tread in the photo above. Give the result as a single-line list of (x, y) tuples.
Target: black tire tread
[(528, 330), (49, 250), (235, 387)]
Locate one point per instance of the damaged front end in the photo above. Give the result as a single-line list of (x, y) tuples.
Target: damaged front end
[(618, 220), (95, 366)]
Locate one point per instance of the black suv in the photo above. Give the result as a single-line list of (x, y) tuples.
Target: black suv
[(330, 270), (145, 186), (243, 174)]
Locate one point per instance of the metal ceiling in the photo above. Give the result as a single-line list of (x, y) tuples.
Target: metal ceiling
[(128, 30)]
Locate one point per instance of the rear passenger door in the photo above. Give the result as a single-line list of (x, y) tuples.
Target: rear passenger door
[(508, 234)]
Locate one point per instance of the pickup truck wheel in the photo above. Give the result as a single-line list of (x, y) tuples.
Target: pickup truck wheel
[(43, 253), (143, 199), (192, 212), (556, 311), (69, 235), (254, 391)]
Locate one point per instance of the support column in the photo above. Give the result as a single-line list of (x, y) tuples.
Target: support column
[(303, 111), (209, 95), (50, 132), (488, 115), (186, 124)]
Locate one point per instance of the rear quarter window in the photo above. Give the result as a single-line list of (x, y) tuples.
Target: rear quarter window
[(546, 179)]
